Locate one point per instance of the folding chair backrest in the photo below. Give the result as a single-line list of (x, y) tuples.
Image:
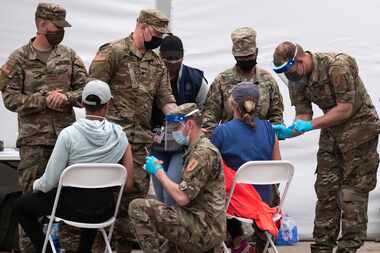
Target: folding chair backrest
[(264, 172), (94, 175), (90, 176)]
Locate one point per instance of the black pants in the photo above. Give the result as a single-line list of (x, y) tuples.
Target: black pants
[(33, 205)]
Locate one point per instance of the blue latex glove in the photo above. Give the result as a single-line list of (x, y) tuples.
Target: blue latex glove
[(302, 126), (152, 165), (282, 131)]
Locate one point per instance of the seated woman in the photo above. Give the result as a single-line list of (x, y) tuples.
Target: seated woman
[(246, 138)]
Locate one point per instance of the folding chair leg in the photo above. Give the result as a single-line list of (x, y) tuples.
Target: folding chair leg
[(270, 241), (225, 249), (266, 247), (48, 241), (106, 241), (110, 232)]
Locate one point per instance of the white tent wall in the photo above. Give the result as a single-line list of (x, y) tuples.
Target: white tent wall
[(205, 26), (93, 24), (342, 26)]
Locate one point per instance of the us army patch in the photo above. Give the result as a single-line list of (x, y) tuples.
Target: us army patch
[(192, 164)]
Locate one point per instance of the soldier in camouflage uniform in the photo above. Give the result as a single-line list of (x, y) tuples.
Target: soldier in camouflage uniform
[(270, 106), (42, 82), (137, 77), (198, 222), (347, 155)]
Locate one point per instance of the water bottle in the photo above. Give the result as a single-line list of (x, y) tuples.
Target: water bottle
[(55, 236)]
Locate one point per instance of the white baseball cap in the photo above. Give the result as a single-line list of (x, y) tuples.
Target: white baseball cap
[(97, 88)]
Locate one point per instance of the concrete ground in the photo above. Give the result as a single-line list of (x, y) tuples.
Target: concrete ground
[(304, 247)]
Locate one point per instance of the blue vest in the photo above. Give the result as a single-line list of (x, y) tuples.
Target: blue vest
[(190, 83)]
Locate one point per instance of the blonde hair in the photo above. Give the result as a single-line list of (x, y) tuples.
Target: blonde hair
[(246, 109)]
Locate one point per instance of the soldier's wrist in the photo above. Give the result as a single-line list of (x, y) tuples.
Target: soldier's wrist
[(159, 172)]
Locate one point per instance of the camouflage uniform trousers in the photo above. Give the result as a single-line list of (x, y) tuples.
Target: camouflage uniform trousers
[(160, 228), (33, 161), (343, 183), (123, 238)]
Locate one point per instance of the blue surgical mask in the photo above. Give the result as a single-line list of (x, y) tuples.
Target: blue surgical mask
[(180, 138)]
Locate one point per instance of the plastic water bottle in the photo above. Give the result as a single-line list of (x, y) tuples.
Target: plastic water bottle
[(55, 236)]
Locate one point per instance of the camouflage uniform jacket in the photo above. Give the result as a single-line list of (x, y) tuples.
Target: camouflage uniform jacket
[(270, 106), (203, 182), (28, 80), (136, 81), (335, 79)]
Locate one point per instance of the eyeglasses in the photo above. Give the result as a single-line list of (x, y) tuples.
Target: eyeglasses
[(286, 66)]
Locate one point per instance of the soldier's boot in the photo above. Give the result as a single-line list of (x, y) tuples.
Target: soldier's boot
[(318, 248), (345, 250)]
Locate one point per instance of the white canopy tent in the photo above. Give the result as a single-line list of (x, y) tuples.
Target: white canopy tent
[(205, 26)]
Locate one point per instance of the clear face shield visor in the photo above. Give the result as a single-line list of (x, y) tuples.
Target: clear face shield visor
[(282, 71), (172, 122)]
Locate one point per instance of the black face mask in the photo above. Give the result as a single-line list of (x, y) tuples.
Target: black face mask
[(54, 38), (155, 42), (295, 76), (246, 65)]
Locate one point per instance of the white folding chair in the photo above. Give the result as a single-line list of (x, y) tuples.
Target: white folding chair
[(262, 173), (89, 176)]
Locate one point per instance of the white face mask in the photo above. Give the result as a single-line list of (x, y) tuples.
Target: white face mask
[(181, 138)]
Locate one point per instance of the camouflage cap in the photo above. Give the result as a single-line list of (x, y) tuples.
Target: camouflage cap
[(52, 12), (185, 109), (154, 18), (244, 41), (182, 112)]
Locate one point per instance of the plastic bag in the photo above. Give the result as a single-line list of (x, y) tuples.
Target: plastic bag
[(288, 233)]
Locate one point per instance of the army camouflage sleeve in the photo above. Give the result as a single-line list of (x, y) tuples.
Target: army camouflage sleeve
[(343, 81), (276, 108), (102, 65), (196, 173), (78, 80), (164, 94), (13, 97), (3, 78), (298, 99), (213, 107)]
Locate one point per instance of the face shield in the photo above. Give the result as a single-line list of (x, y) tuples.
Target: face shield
[(287, 71), (172, 122)]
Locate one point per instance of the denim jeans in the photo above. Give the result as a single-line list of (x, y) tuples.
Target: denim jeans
[(173, 164)]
